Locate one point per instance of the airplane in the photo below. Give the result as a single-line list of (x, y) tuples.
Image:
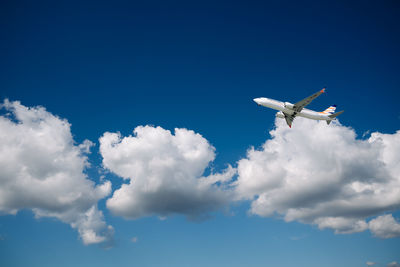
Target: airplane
[(289, 111)]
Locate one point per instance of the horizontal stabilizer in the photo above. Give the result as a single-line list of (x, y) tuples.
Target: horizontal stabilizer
[(335, 114)]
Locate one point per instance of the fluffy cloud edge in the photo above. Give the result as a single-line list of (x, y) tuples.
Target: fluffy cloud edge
[(384, 226), (324, 175), (52, 184), (165, 171)]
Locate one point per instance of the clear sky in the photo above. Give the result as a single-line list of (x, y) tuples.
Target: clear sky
[(197, 65)]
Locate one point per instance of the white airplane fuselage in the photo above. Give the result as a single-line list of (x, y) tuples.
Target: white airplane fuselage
[(286, 107)]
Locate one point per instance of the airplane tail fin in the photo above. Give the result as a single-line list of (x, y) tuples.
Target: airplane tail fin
[(333, 116), (329, 110)]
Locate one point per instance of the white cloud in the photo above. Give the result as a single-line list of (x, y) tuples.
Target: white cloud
[(134, 239), (370, 263), (393, 264), (312, 173), (385, 226), (323, 175), (164, 173), (41, 168)]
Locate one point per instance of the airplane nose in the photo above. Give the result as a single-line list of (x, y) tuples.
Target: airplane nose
[(257, 100)]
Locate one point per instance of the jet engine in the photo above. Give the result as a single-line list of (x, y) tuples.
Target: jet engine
[(280, 115), (289, 105)]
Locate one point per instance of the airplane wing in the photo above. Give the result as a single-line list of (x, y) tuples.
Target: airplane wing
[(289, 119), (301, 104)]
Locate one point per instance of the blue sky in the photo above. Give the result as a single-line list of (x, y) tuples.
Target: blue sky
[(110, 67)]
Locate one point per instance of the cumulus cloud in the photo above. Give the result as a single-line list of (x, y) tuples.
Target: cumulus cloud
[(164, 173), (385, 226), (323, 175), (393, 264), (42, 169)]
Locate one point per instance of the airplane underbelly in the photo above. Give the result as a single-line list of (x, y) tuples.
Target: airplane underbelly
[(287, 111), (274, 106), (310, 115)]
